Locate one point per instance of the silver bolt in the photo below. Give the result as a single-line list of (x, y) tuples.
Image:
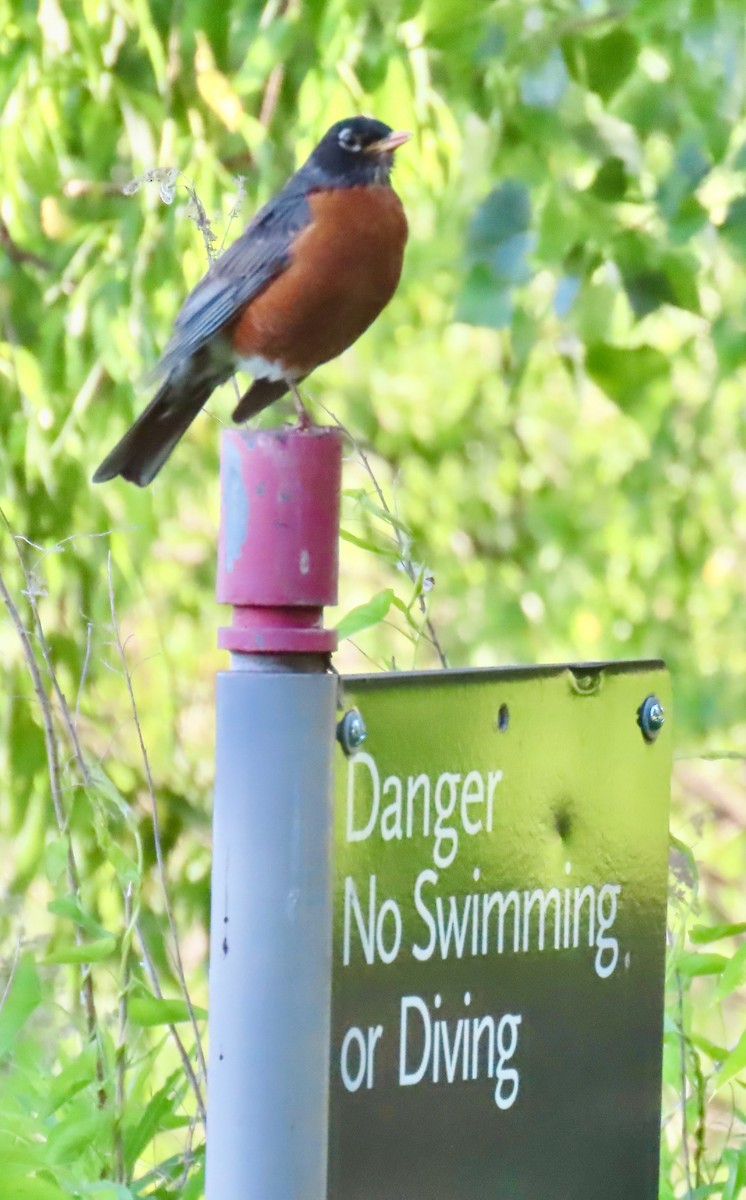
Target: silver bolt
[(351, 731), (651, 718)]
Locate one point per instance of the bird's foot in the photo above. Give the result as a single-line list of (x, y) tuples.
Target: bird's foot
[(304, 417)]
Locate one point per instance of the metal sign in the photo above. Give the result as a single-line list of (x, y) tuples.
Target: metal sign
[(499, 917)]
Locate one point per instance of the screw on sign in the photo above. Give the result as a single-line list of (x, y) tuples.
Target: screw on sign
[(351, 731), (651, 718)]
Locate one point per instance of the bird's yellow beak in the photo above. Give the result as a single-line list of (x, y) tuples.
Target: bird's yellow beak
[(390, 142)]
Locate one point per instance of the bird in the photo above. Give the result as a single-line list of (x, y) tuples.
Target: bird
[(311, 271)]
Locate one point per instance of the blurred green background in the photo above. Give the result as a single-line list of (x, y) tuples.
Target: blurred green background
[(552, 406)]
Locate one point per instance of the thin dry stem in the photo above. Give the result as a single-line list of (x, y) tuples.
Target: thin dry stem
[(11, 974), (183, 1054), (71, 725), (70, 722), (179, 967), (83, 676), (272, 90), (700, 1132), (202, 221), (235, 209), (682, 1063), (404, 555), (276, 77), (55, 784), (120, 1053)]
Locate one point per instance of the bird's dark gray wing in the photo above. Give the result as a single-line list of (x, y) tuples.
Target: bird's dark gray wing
[(247, 266)]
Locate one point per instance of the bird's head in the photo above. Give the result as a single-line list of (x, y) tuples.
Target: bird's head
[(355, 152)]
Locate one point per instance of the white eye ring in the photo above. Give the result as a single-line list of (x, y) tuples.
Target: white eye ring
[(349, 141)]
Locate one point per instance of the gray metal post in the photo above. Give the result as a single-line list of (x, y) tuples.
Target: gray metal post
[(270, 946), (271, 922)]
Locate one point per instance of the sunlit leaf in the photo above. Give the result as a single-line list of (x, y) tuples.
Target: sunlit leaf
[(734, 1064), (734, 974), (691, 965), (626, 374), (607, 61), (702, 934), (363, 616), (70, 907), (22, 997), (86, 952), (71, 1135), (32, 1188), (162, 1104), (148, 1010)]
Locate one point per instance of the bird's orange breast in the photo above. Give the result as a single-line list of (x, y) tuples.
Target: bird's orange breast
[(344, 269)]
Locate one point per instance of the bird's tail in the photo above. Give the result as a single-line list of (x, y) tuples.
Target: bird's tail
[(261, 394), (145, 447)]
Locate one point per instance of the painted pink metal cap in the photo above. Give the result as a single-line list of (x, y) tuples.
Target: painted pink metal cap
[(278, 553)]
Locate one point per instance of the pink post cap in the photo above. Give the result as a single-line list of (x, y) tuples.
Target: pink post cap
[(278, 555)]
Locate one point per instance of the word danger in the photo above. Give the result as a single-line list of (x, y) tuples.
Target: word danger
[(479, 923), (415, 806), (437, 1050)]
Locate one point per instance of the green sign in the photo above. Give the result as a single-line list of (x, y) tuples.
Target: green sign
[(499, 933)]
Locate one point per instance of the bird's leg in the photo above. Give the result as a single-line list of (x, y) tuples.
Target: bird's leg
[(302, 413)]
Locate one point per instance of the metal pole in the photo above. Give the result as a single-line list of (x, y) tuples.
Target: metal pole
[(271, 925)]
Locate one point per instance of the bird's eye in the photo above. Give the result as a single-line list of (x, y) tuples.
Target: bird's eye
[(349, 140)]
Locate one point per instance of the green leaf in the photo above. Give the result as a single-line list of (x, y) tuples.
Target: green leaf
[(683, 864), (365, 615), (498, 246), (195, 1188), (26, 743), (735, 1160), (482, 302), (148, 1011), (647, 291), (702, 934), (70, 907), (689, 169), (608, 61), (690, 218), (76, 1076), (32, 1188), (682, 271), (733, 976), (729, 338), (23, 996), (733, 228), (611, 181), (17, 1153), (626, 375), (67, 1140), (86, 952), (388, 552), (690, 965), (505, 212), (652, 278), (111, 794), (106, 1191), (734, 1064), (718, 1054), (127, 870), (369, 505), (55, 859), (162, 1104)]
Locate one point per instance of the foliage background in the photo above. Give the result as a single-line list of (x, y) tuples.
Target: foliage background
[(553, 406)]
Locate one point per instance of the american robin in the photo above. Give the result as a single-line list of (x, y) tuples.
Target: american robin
[(307, 276)]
